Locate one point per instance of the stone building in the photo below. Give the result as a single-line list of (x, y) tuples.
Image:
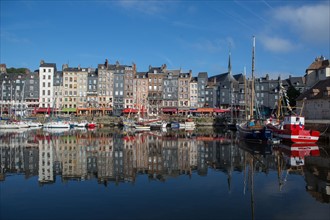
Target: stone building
[(318, 70), (170, 91), (193, 93), (118, 89), (202, 80), (105, 84), (184, 90), (155, 88), (315, 102)]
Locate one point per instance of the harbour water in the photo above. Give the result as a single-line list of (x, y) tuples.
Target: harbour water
[(174, 174)]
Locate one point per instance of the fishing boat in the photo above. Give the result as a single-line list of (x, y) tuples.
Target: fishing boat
[(253, 130), (289, 126), (292, 129)]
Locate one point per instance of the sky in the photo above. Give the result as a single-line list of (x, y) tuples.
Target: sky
[(195, 35)]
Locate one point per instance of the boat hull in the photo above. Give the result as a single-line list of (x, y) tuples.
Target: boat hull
[(295, 136), (254, 134)]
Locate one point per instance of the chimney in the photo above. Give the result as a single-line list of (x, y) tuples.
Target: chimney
[(215, 80), (134, 67), (106, 63), (42, 62)]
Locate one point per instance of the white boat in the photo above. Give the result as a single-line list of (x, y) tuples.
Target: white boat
[(57, 124), (9, 125), (34, 124), (81, 124), (21, 124)]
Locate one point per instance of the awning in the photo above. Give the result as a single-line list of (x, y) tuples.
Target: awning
[(69, 110), (43, 110), (205, 110), (169, 110), (219, 110), (130, 110)]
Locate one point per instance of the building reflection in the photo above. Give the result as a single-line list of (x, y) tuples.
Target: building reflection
[(114, 156)]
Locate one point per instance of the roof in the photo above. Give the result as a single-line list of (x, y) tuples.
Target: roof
[(48, 65), (239, 77), (317, 91), (194, 79), (141, 75), (222, 77), (294, 81), (202, 75), (319, 63)]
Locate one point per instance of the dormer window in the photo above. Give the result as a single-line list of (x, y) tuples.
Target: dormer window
[(315, 92)]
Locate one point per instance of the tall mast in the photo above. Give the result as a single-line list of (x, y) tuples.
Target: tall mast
[(252, 83), (245, 95), (231, 89)]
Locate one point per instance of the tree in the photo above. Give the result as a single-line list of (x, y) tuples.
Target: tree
[(292, 93)]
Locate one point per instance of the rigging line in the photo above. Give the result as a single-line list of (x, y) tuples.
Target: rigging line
[(325, 130)]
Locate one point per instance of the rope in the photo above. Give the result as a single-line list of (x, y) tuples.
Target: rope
[(325, 130)]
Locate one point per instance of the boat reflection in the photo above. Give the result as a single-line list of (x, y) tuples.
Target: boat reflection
[(304, 159), (116, 156)]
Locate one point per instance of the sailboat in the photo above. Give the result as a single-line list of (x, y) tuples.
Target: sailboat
[(56, 123), (253, 130)]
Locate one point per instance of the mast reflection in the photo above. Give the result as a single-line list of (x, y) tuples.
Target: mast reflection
[(117, 156)]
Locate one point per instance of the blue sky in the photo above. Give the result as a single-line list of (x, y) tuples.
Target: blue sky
[(191, 35)]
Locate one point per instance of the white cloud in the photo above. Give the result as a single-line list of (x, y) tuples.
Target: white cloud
[(277, 44), (310, 22)]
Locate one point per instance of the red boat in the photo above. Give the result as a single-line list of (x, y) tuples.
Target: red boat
[(292, 129), (91, 125), (296, 152)]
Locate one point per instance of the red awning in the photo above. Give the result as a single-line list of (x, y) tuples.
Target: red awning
[(44, 110), (130, 110), (169, 109), (219, 110)]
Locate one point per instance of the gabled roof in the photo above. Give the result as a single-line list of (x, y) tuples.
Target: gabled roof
[(319, 63), (239, 77), (294, 81), (317, 91), (223, 77)]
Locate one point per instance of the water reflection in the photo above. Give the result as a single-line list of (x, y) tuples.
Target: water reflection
[(120, 156)]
